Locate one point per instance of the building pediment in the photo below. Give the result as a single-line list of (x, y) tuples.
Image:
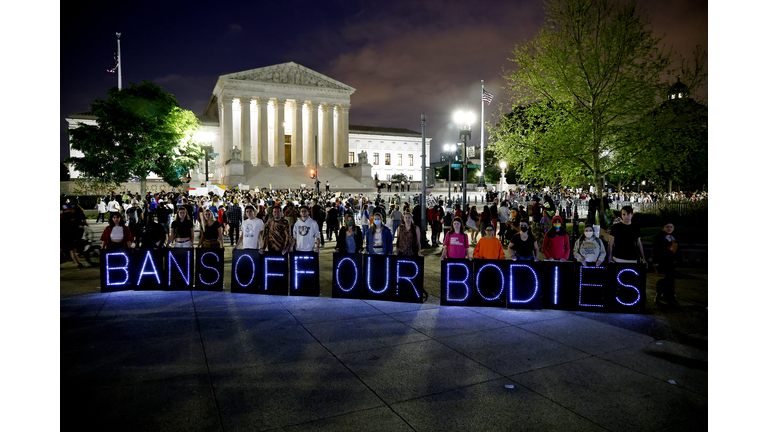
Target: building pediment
[(288, 74)]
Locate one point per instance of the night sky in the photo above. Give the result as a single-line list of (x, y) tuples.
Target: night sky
[(403, 57)]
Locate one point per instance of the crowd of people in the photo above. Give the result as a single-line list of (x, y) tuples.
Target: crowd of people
[(520, 224)]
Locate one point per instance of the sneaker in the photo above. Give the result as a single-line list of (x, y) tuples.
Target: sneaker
[(80, 266)]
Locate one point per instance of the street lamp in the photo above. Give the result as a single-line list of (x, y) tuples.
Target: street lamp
[(451, 150), (503, 166), (464, 120)]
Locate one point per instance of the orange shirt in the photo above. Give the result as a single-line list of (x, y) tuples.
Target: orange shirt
[(489, 249)]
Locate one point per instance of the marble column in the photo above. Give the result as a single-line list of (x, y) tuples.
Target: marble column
[(338, 157), (226, 133), (311, 131), (262, 151), (279, 150), (326, 143), (297, 136), (245, 128), (344, 126)]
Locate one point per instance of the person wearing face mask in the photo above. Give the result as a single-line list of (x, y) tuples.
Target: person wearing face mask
[(589, 248), (556, 245), (350, 239), (306, 233), (456, 242), (523, 245), (379, 239)]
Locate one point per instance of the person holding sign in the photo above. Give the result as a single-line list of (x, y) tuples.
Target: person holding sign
[(350, 240), (306, 233), (211, 233), (523, 244), (408, 236), (589, 248), (182, 229), (556, 243), (489, 247), (456, 242), (250, 237), (379, 239)]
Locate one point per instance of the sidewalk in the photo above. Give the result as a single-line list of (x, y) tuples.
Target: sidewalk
[(217, 361)]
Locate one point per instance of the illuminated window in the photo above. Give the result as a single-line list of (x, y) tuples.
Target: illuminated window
[(387, 159), (410, 158), (351, 157), (375, 158), (399, 159)]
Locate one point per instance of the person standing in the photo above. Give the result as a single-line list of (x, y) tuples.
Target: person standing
[(350, 238), (556, 245), (408, 237), (589, 248), (523, 245), (116, 235), (489, 247), (182, 230), (277, 233), (234, 218), (379, 239), (101, 208), (665, 257), (327, 186), (456, 242), (624, 245), (152, 234), (504, 213), (332, 222), (317, 213), (135, 218), (114, 207), (306, 233), (250, 237), (396, 217), (71, 228), (211, 235)]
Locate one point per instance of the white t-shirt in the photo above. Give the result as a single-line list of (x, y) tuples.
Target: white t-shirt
[(114, 206), (252, 229), (305, 234), (117, 234)]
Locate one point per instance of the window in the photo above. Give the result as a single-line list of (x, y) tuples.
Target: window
[(375, 158), (351, 157), (399, 159), (410, 158), (387, 159), (410, 177)]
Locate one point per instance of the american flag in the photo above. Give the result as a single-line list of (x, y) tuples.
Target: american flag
[(487, 97), (116, 62)]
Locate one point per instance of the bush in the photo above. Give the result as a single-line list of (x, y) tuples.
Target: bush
[(643, 220)]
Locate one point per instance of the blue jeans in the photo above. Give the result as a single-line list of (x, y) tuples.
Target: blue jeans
[(395, 225), (365, 230)]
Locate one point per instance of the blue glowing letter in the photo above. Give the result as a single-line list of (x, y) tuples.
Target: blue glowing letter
[(477, 282), (512, 282), (449, 281), (582, 284), (618, 279), (267, 274), (109, 269), (212, 268), (296, 270), (338, 281), (557, 272), (253, 270), (409, 279), (386, 282), (144, 266), (172, 259)]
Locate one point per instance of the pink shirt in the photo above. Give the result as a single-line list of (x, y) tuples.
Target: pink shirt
[(456, 245)]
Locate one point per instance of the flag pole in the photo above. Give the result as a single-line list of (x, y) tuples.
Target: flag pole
[(120, 66)]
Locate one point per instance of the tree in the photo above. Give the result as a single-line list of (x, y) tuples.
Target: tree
[(582, 92), (140, 130)]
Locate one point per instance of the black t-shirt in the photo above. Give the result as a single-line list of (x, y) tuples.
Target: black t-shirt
[(211, 232), (523, 248), (162, 214), (182, 229), (151, 235), (625, 241)]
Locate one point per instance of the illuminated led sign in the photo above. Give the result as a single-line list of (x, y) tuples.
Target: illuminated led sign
[(179, 264), (209, 269), (246, 271), (275, 272), (305, 271)]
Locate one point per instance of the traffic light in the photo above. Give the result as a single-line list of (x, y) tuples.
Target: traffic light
[(312, 173)]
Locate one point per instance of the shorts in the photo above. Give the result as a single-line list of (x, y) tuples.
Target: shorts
[(186, 244), (211, 244)]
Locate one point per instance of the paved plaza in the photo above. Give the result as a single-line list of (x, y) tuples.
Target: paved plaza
[(217, 361)]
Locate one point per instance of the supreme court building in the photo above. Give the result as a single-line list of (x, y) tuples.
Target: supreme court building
[(270, 125)]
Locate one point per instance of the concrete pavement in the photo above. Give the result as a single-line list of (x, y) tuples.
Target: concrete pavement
[(217, 361)]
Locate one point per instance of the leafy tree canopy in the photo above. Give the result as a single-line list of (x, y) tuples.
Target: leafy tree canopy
[(581, 93), (140, 130)]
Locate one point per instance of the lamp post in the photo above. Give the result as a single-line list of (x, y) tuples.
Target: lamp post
[(503, 181), (464, 120), (451, 150)]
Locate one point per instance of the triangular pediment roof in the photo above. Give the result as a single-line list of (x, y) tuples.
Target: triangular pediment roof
[(289, 74)]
